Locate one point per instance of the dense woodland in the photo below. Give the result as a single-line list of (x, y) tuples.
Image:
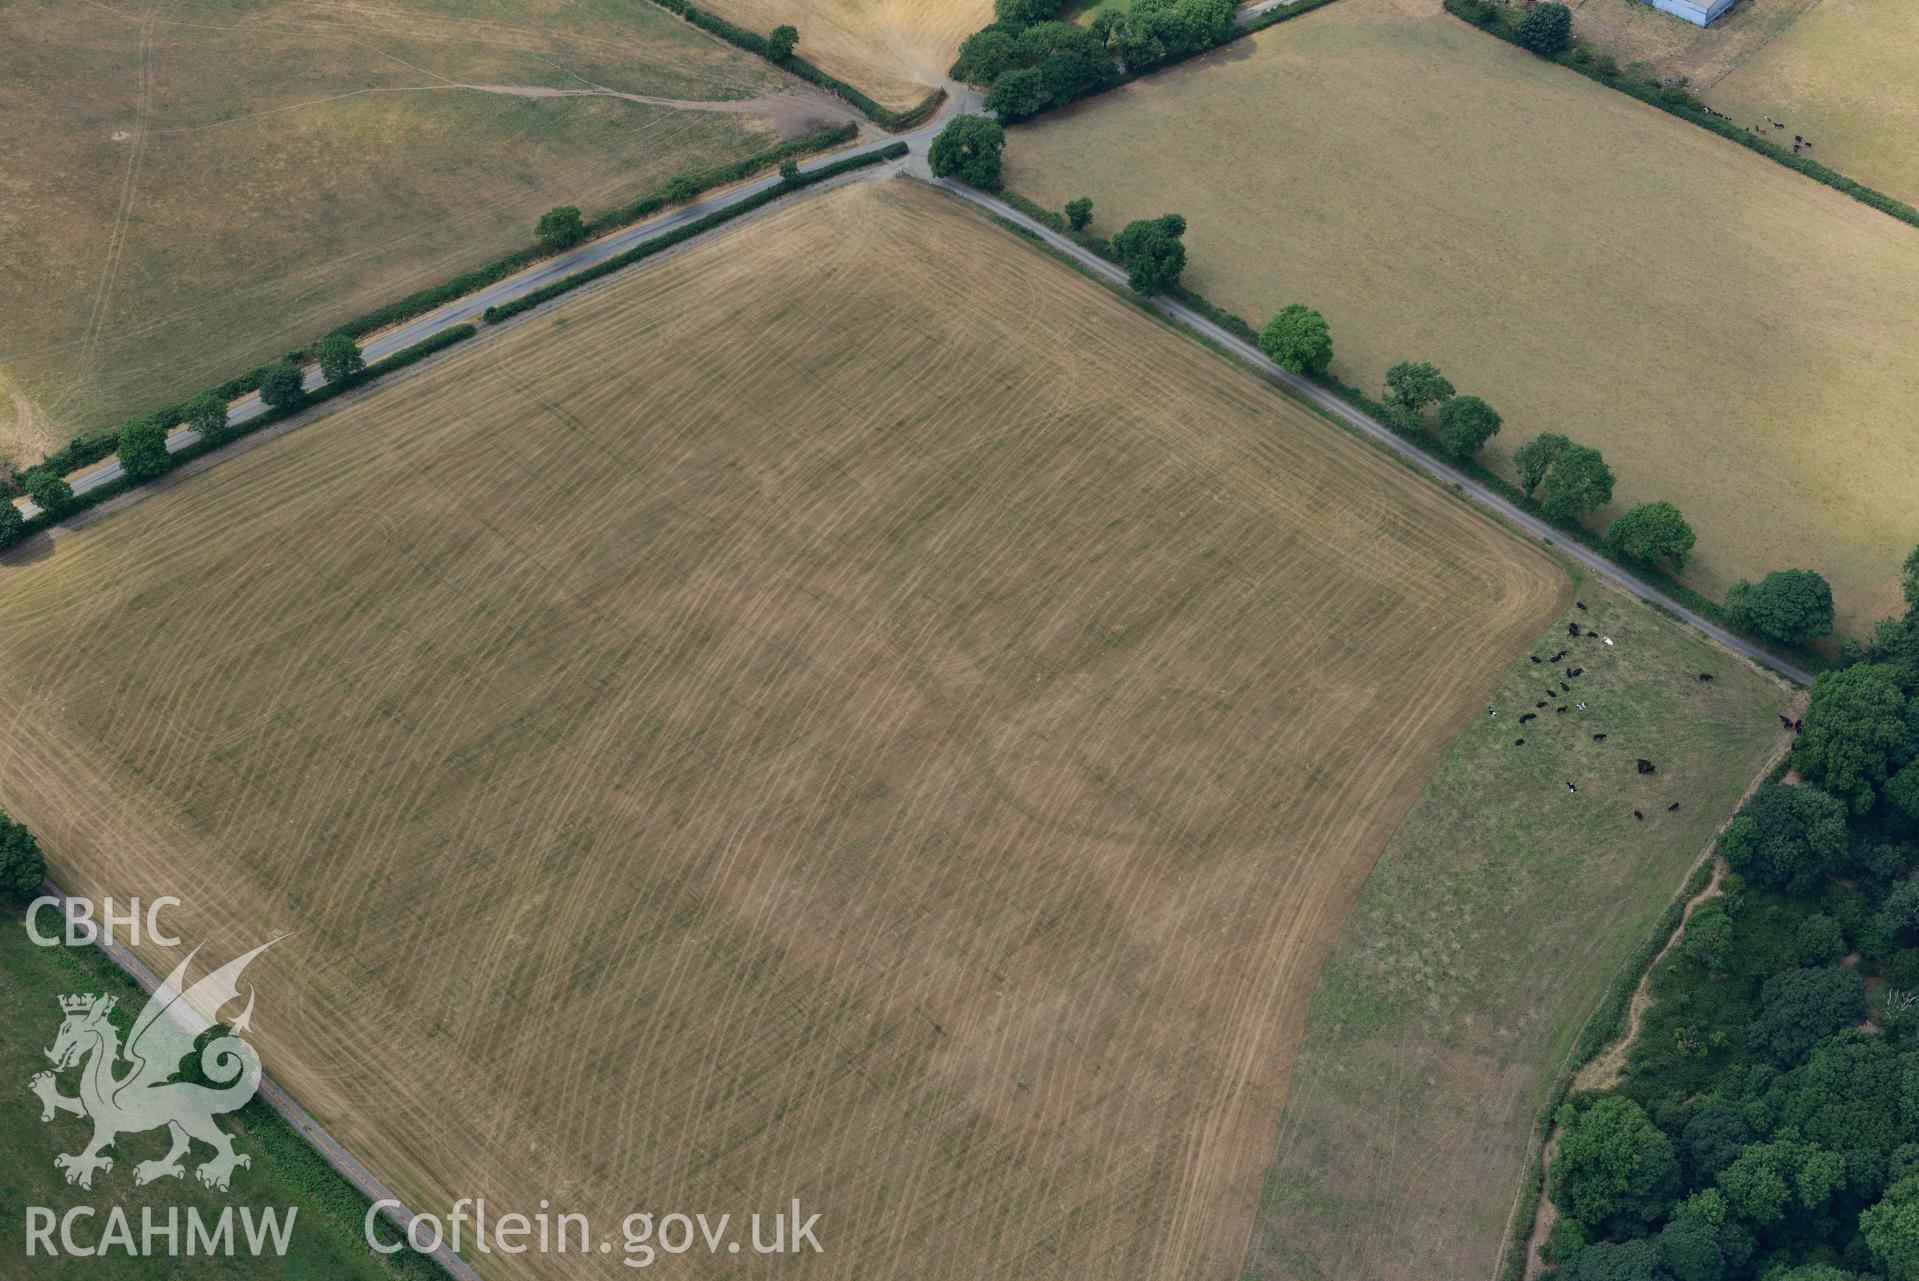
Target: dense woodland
[(1767, 1125)]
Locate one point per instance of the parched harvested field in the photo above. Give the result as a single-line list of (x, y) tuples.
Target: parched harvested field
[(1483, 940), (856, 713), (1738, 339), (187, 190), (1844, 73), (894, 50)]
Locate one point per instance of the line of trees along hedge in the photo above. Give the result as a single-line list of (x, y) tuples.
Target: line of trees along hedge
[(1507, 21), (1031, 63), (149, 429), (647, 248), (1583, 483), (1767, 1124), (777, 49), (85, 450)]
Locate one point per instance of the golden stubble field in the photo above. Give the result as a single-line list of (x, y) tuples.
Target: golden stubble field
[(894, 50), (1737, 339), (855, 712), (190, 189)]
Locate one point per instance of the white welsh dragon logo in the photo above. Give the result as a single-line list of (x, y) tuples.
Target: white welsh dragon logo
[(144, 1097)]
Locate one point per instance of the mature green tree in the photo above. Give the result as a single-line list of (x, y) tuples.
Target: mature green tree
[(1151, 251), (1297, 340), (1017, 94), (1546, 29), (1902, 789), (1071, 60), (1818, 941), (10, 522), (969, 149), (1899, 914), (560, 227), (49, 491), (1614, 1170), (22, 866), (1536, 457), (1708, 939), (679, 189), (1860, 729), (1713, 1139), (206, 413), (339, 357), (986, 55), (1781, 1177), (1651, 532), (1079, 213), (1578, 482), (1797, 1009), (1024, 13), (1466, 423), (1691, 1251), (789, 171), (143, 449), (1789, 605), (1790, 838), (1891, 1229), (1616, 1261), (1412, 385), (281, 387), (780, 41)]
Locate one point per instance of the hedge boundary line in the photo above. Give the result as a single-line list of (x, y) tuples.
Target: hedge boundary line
[(677, 191), (704, 223), (1425, 443), (754, 43), (319, 395), (1651, 95), (83, 451)]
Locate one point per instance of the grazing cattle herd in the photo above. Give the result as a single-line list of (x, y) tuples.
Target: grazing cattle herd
[(1564, 686)]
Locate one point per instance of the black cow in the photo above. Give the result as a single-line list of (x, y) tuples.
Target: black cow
[(1599, 738), (1670, 808), (1575, 671), (1645, 766), (1529, 716), (1580, 603), (1637, 814), (1572, 629), (1705, 676), (1519, 742), (1559, 711)]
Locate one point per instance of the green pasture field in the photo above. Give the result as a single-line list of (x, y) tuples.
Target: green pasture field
[(1500, 911), (327, 1244)]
